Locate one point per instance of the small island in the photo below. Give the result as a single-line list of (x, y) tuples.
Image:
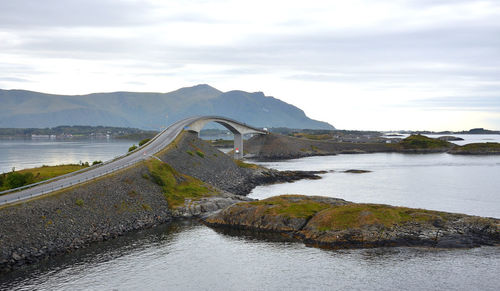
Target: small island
[(335, 223), (488, 148)]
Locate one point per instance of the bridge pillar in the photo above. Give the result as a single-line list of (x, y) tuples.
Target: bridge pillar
[(238, 146)]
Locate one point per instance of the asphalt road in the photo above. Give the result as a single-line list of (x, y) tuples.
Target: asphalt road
[(159, 142)]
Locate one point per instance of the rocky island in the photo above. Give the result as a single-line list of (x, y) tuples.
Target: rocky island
[(488, 148), (278, 147), (336, 223)]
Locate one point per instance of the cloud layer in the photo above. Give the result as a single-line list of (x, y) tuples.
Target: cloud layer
[(338, 60)]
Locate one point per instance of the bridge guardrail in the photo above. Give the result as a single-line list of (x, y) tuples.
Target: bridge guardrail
[(100, 165), (6, 201), (82, 170)]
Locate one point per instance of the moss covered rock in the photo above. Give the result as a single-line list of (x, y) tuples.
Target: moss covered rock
[(487, 148), (422, 143), (336, 223)]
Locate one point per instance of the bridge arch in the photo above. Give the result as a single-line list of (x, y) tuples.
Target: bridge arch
[(236, 127)]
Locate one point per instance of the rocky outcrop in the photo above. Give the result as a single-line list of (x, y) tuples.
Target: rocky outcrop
[(488, 148), (335, 223), (279, 147), (197, 158), (450, 138), (207, 205)]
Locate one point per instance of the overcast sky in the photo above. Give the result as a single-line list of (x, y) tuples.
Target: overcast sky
[(384, 65)]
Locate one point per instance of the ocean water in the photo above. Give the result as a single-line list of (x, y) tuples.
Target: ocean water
[(187, 255), (27, 153), (453, 183)]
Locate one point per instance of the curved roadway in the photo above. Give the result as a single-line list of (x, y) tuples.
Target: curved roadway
[(156, 144)]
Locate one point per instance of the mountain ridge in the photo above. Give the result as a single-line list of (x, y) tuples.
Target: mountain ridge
[(148, 110)]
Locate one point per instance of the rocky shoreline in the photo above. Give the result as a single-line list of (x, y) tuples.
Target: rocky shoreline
[(128, 200), (335, 223), (280, 147), (139, 197)]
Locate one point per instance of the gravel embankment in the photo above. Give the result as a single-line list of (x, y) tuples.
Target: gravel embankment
[(196, 158), (124, 201)]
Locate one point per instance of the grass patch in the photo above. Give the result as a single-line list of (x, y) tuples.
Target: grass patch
[(200, 153), (418, 141), (177, 187), (286, 205), (481, 148), (484, 145), (29, 176), (79, 202), (222, 143), (242, 164), (361, 215), (190, 153), (312, 136)]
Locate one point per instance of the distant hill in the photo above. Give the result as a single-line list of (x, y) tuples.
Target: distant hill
[(27, 109)]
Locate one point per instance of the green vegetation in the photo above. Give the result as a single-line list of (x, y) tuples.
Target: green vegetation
[(96, 162), (29, 176), (423, 142), (242, 164), (477, 148), (79, 202), (177, 187), (200, 153), (362, 215), (144, 141), (132, 148), (324, 216), (291, 206), (224, 143), (325, 136), (15, 179), (190, 153)]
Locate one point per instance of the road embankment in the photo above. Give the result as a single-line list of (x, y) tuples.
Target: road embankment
[(197, 158), (191, 180)]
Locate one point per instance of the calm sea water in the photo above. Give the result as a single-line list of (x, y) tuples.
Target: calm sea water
[(27, 153), (465, 184), (190, 256)]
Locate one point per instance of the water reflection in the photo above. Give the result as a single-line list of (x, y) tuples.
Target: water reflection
[(23, 154), (187, 255)]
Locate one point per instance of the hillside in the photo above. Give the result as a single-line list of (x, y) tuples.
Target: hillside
[(27, 109)]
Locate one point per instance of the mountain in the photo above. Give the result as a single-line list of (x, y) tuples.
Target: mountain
[(27, 109)]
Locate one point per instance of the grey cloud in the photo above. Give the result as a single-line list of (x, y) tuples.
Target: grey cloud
[(469, 50), (14, 79), (473, 103), (56, 13), (36, 14)]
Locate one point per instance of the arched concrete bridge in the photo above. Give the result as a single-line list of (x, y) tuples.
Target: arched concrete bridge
[(237, 128), (156, 144)]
